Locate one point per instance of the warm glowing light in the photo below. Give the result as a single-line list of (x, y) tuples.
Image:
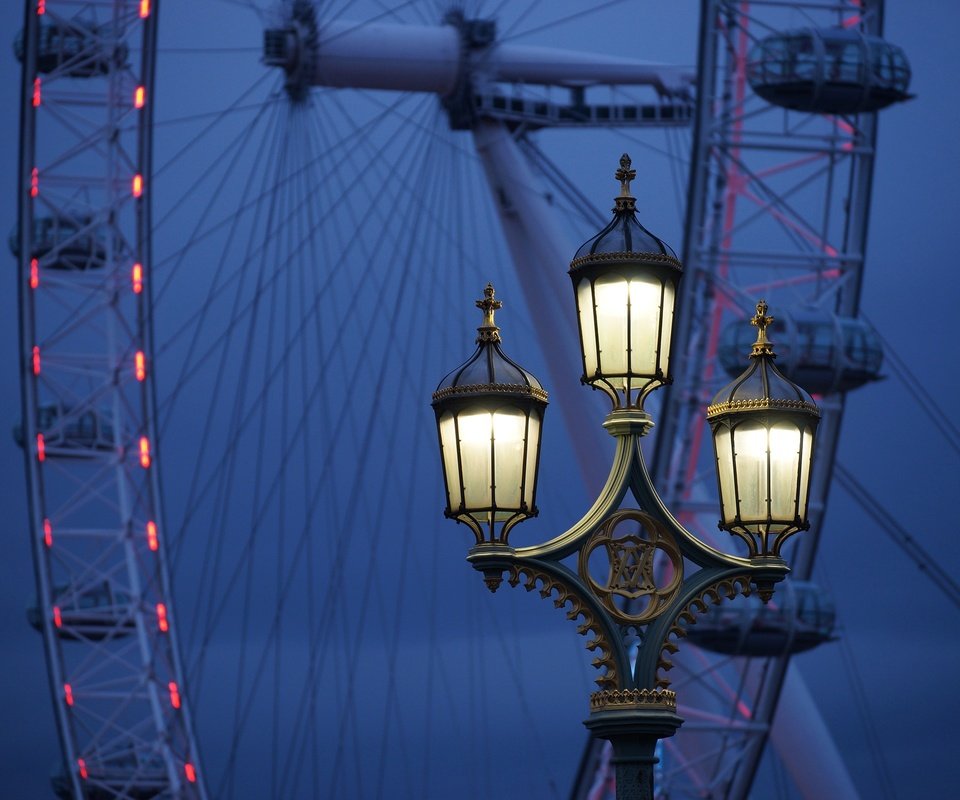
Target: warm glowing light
[(47, 533), (144, 9), (36, 360), (144, 452), (174, 694), (34, 273), (162, 623), (190, 772), (140, 365), (36, 92), (152, 542), (68, 693), (57, 617), (137, 185), (34, 182), (137, 278), (41, 7), (139, 96), (41, 448), (83, 768)]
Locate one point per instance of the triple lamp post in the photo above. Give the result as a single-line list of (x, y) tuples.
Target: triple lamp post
[(635, 578)]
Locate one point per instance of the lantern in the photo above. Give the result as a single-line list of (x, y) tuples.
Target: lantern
[(625, 283), (763, 435), (489, 417)]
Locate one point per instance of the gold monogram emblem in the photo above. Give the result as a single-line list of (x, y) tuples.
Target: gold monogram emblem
[(633, 569)]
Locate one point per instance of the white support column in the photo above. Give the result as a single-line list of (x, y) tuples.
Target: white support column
[(542, 252)]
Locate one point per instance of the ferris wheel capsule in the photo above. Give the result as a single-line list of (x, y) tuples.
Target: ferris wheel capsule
[(828, 70)]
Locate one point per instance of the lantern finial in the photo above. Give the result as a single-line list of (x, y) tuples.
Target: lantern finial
[(626, 201), (763, 346), (488, 332)]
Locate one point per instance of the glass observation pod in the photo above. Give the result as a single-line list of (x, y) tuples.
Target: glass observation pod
[(822, 352), (69, 433), (96, 612), (830, 70), (74, 49), (799, 618), (67, 242)]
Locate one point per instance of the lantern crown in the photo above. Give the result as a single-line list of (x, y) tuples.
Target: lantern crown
[(489, 369), (762, 387), (624, 237)]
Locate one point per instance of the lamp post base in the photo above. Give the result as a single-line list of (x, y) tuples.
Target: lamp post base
[(633, 729)]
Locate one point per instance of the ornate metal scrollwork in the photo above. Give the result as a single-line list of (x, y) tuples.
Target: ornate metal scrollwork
[(725, 589), (550, 584), (631, 574)]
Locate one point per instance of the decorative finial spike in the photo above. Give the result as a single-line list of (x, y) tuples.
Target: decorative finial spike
[(625, 175), (488, 332), (763, 346)]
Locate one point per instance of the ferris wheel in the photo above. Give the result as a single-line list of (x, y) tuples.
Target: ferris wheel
[(289, 244)]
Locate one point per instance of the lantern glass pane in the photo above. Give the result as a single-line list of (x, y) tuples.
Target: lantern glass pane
[(448, 451), (785, 440), (476, 429), (645, 313), (533, 451), (750, 448), (728, 494), (806, 458), (588, 338), (669, 300), (509, 426), (612, 296)]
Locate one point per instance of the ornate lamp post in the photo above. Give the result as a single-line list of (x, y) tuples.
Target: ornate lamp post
[(632, 577)]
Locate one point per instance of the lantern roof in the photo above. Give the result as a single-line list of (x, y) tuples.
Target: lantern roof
[(489, 371), (625, 239), (762, 387)]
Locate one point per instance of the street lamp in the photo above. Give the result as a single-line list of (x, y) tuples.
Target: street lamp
[(632, 577)]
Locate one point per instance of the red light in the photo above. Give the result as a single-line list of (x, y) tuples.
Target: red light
[(36, 360), (137, 185), (47, 533), (144, 9), (174, 694), (41, 448), (162, 623), (34, 273), (190, 772), (138, 97), (57, 618), (152, 542), (140, 365), (34, 182), (144, 452), (137, 278), (68, 694), (41, 7), (83, 768), (36, 92)]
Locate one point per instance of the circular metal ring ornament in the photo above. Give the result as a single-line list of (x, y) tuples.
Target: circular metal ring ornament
[(632, 558)]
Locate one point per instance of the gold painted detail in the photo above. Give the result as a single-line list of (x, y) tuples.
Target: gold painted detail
[(760, 404), (567, 596), (726, 589), (612, 699), (646, 258), (488, 332), (489, 388), (626, 201), (763, 346), (631, 575)]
